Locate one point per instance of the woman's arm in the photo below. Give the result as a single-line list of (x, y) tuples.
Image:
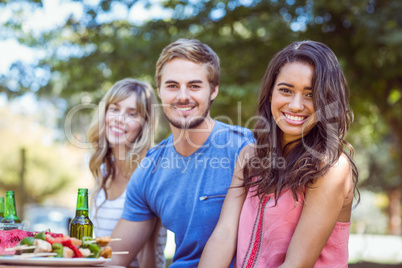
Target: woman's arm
[(221, 246), (328, 200)]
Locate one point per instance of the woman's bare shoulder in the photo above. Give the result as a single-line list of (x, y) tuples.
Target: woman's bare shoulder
[(339, 175), (342, 167)]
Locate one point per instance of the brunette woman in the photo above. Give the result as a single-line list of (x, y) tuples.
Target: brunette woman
[(290, 204)]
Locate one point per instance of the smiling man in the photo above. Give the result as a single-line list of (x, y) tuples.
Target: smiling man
[(187, 100), (184, 179)]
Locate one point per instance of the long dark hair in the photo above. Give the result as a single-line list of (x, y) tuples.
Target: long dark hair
[(273, 168)]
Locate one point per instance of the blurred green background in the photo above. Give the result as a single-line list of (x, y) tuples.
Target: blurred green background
[(67, 54)]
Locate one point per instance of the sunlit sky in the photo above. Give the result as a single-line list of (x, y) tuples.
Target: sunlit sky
[(55, 13)]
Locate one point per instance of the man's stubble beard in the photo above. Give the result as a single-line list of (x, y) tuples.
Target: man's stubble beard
[(189, 124)]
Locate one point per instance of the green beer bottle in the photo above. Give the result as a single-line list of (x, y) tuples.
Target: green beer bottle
[(81, 225), (1, 208), (10, 215)]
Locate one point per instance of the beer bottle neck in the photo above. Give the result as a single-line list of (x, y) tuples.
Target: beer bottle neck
[(82, 203), (1, 207), (10, 214)]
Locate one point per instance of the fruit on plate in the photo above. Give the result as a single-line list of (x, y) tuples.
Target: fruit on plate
[(46, 244), (11, 238)]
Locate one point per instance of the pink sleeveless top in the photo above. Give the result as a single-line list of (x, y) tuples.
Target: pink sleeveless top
[(265, 232)]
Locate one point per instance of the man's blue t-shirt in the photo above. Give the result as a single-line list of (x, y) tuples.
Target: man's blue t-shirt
[(186, 193)]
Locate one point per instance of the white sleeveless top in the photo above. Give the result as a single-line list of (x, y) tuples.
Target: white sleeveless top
[(108, 215)]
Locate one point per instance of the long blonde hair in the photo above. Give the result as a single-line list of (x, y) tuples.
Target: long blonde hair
[(101, 162)]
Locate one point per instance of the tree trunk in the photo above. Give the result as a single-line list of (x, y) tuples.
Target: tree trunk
[(22, 192), (394, 211)]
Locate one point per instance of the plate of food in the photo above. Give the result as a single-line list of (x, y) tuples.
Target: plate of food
[(52, 261), (55, 249)]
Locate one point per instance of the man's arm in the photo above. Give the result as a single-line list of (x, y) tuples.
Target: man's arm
[(133, 236)]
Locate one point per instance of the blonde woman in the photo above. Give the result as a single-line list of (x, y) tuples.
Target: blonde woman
[(121, 136)]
